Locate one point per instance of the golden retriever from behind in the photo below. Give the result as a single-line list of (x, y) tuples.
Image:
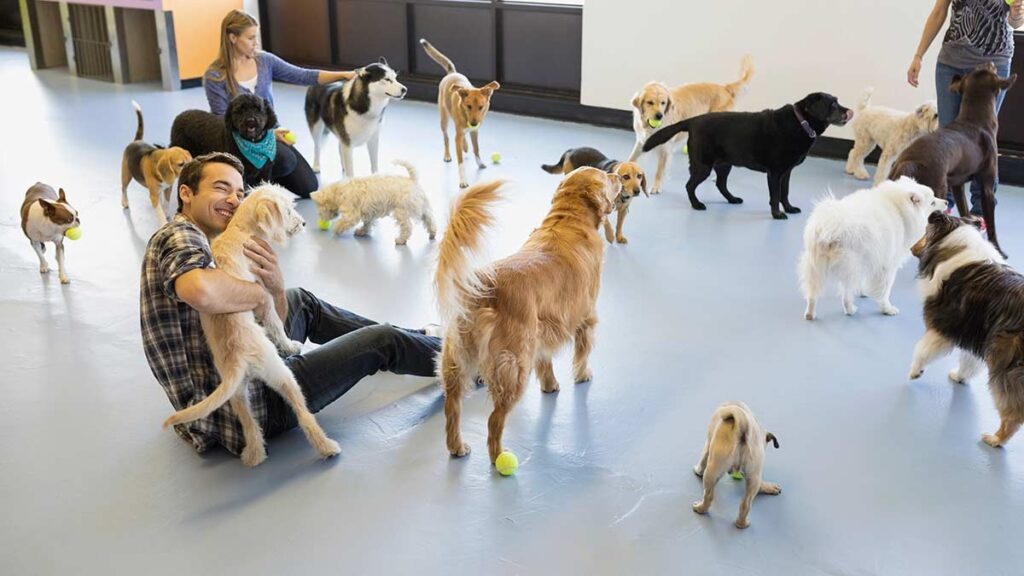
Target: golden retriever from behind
[(507, 318), (656, 104)]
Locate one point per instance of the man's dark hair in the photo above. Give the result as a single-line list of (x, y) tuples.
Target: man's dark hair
[(192, 172)]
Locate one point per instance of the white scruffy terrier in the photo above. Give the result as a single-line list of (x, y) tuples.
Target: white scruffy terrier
[(893, 130), (369, 198), (863, 239)]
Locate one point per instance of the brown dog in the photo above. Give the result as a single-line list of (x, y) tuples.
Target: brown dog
[(505, 319), (154, 167), (465, 105), (965, 149), (634, 181)]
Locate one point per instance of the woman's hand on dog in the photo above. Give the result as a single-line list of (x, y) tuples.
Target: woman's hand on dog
[(266, 269)]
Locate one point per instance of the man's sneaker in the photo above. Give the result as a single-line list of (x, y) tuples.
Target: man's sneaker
[(434, 330)]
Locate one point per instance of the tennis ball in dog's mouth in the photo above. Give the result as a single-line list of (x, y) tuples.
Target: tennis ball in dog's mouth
[(73, 233), (496, 158), (323, 224), (473, 127), (507, 463), (654, 123), (736, 475), (289, 137)]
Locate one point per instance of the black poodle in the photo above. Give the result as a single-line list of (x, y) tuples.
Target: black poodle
[(248, 116)]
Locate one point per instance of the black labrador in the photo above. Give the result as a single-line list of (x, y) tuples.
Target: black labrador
[(771, 141), (248, 115)]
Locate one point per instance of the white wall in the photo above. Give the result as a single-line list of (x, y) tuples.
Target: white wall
[(799, 46)]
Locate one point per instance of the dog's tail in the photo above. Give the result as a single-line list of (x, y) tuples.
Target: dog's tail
[(138, 114), (746, 73), (207, 405), (456, 279), (824, 236), (865, 99), (435, 54), (665, 134), (555, 168), (734, 425), (413, 175)]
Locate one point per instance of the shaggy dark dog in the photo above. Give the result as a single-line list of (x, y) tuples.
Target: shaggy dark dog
[(201, 132)]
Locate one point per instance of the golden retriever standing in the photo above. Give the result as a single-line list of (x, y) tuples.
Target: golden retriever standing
[(656, 103), (243, 349), (509, 317), (467, 106)]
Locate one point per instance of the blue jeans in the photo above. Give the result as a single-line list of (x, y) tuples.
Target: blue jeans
[(351, 348), (949, 108)]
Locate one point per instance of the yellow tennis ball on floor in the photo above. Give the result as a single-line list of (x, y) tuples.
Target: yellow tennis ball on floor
[(73, 233), (323, 224), (654, 123), (507, 463), (289, 137), (496, 158), (736, 475)]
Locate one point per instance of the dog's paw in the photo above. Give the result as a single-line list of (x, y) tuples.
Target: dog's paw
[(401, 241), (44, 269), (779, 215), (890, 310), (770, 488), (808, 315), (656, 190), (698, 205), (585, 376), (361, 232), (698, 471), (699, 507), (481, 165), (791, 209), (735, 200), (291, 347), (447, 158), (622, 239), (861, 174), (462, 450), (254, 455), (956, 377), (550, 387), (463, 185), (64, 279), (992, 440), (316, 168), (850, 310), (915, 373), (741, 524), (328, 448)]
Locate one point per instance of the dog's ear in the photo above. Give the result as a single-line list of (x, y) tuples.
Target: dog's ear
[(49, 208), (268, 216), (668, 103), (229, 117), (1005, 83), (61, 197), (490, 88), (643, 184), (636, 100), (915, 198), (957, 84), (462, 92), (314, 196), (383, 61), (922, 112), (271, 116), (769, 437), (165, 168)]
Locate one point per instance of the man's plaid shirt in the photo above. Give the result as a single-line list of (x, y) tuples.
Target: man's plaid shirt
[(174, 342)]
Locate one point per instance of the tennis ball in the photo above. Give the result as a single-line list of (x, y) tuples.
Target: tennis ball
[(507, 463), (686, 149), (1009, 2), (323, 224), (73, 233), (473, 127), (654, 122), (289, 137), (496, 158), (736, 475)]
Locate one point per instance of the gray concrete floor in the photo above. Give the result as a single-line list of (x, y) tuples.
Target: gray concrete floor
[(879, 475)]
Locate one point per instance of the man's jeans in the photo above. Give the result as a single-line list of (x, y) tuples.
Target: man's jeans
[(351, 347)]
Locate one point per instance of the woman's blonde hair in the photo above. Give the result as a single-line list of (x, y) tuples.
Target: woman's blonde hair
[(236, 22)]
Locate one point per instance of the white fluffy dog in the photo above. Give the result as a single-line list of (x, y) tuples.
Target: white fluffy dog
[(863, 240), (241, 349), (369, 198), (735, 444), (893, 130)]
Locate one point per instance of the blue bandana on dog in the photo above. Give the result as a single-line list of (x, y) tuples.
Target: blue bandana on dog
[(257, 153)]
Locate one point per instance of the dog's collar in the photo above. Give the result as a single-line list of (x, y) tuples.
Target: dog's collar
[(803, 123)]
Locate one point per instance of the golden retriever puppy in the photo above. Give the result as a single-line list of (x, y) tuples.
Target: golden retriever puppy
[(735, 444), (656, 103), (506, 319), (241, 348)]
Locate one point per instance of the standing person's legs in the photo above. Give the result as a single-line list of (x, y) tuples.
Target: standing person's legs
[(947, 101), (1003, 70), (293, 172), (352, 347)]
